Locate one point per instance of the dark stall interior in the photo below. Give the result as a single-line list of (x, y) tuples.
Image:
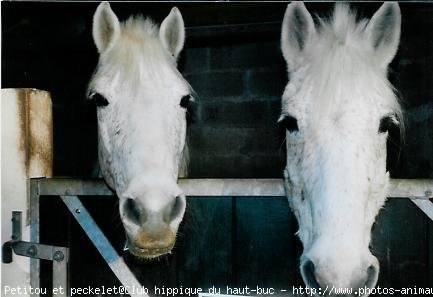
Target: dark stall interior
[(233, 61)]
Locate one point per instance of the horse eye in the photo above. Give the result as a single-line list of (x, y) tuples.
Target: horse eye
[(190, 106), (99, 100), (184, 102), (289, 123), (387, 123)]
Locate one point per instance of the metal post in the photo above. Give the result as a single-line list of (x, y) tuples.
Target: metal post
[(34, 233), (426, 206)]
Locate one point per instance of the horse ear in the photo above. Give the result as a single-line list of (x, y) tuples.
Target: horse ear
[(384, 32), (297, 30), (106, 27), (172, 32)]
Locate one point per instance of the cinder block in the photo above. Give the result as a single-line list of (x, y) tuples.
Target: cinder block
[(269, 81), (194, 60), (234, 114), (236, 166), (232, 141), (217, 84), (246, 56)]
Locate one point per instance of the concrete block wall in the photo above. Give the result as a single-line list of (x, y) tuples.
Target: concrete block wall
[(239, 88)]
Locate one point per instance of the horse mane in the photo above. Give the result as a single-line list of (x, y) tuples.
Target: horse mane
[(139, 26), (139, 44), (343, 26), (184, 162), (340, 61)]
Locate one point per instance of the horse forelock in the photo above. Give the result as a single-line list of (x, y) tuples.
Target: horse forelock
[(138, 56), (339, 62)]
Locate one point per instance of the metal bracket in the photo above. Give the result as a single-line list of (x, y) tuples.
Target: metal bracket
[(59, 255)]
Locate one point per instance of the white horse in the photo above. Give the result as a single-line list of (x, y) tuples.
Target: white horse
[(142, 105), (337, 108)]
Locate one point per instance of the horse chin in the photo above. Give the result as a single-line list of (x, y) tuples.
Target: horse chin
[(148, 253)]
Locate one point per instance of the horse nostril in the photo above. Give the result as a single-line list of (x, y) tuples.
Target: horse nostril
[(177, 209), (372, 275), (132, 211), (307, 272), (370, 281)]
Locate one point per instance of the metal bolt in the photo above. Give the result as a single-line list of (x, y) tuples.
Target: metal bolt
[(32, 251), (77, 210), (428, 193), (58, 256)]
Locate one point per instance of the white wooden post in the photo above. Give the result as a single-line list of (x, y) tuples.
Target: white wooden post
[(26, 152)]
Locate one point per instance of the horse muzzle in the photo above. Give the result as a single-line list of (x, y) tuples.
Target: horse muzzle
[(359, 283), (149, 246)]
